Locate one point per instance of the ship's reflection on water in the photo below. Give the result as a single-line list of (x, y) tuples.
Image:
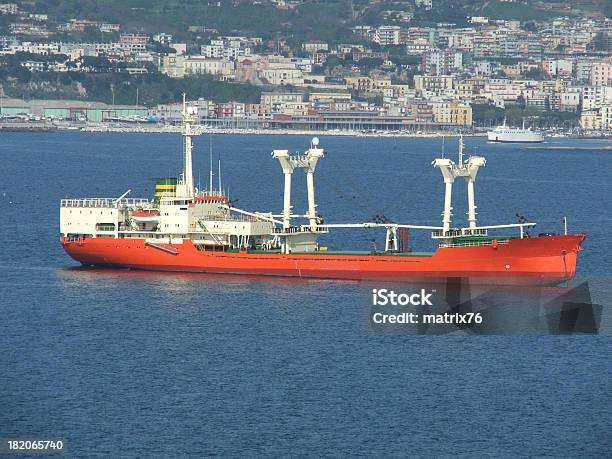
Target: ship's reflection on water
[(184, 291), (180, 282), (504, 310)]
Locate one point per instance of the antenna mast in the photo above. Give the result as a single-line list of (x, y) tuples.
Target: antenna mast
[(210, 188)]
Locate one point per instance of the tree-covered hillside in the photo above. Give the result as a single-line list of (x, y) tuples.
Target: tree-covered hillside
[(324, 19), (149, 89), (328, 20)]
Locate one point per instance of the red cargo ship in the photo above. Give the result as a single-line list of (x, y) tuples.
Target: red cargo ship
[(184, 229)]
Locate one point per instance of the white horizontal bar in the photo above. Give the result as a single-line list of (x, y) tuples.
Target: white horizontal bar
[(377, 225), (254, 214), (511, 225)]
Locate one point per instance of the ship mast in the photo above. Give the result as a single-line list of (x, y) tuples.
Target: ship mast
[(308, 162), (210, 186), (189, 117)]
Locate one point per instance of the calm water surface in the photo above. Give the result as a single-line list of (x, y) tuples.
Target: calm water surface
[(121, 363)]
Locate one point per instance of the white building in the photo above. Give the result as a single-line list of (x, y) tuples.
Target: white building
[(282, 75), (173, 65), (594, 97), (568, 101), (304, 64), (606, 117), (35, 48), (601, 74), (388, 35), (221, 51), (9, 8), (442, 62), (427, 4), (583, 70), (163, 38), (202, 65), (34, 66), (418, 46), (315, 46), (434, 84)]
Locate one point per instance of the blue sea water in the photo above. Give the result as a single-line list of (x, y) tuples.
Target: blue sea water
[(131, 364)]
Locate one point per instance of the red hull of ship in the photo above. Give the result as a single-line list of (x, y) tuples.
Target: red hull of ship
[(546, 260)]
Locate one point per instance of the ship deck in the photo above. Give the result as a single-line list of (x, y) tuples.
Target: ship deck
[(349, 252)]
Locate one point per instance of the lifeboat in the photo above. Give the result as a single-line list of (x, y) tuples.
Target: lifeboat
[(146, 216)]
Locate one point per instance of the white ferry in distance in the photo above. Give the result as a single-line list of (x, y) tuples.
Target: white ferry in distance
[(509, 134)]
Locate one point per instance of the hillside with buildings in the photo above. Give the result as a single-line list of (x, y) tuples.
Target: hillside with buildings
[(346, 64)]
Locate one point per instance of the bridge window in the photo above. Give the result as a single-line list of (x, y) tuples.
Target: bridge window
[(105, 227)]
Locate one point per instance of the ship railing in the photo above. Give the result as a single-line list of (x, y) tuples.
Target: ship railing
[(299, 229), (225, 218), (232, 218), (479, 231), (472, 243), (459, 232), (104, 202)]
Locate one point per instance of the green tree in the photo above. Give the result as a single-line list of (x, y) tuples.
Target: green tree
[(487, 114), (535, 74), (514, 116), (332, 63), (367, 64)]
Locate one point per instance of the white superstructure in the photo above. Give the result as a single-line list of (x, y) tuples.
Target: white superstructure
[(183, 212)]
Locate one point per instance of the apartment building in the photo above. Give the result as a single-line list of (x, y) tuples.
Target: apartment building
[(173, 65), (269, 98), (452, 113), (595, 97), (441, 62), (390, 35), (601, 74), (366, 84), (606, 117), (280, 74), (227, 48), (591, 120), (202, 65), (566, 101), (314, 46), (434, 84), (133, 39)]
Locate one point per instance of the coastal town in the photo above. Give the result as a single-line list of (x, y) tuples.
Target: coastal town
[(396, 73)]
